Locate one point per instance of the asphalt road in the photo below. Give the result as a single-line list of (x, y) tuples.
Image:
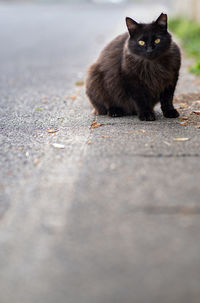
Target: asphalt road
[(112, 221)]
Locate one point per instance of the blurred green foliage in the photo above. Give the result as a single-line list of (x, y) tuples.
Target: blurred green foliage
[(189, 33)]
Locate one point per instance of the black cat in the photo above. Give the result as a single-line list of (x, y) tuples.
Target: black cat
[(135, 71)]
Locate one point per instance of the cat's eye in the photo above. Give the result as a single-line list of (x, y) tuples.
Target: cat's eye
[(157, 41), (141, 42)]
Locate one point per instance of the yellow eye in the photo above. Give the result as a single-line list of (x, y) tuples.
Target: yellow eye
[(157, 41), (142, 43)]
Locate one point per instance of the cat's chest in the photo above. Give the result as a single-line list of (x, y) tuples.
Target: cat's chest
[(155, 76)]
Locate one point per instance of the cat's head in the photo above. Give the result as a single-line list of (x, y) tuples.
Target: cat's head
[(149, 40)]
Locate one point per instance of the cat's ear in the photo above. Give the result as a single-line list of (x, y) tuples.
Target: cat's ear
[(162, 20), (131, 25)]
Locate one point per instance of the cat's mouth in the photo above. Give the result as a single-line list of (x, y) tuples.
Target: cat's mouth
[(151, 55)]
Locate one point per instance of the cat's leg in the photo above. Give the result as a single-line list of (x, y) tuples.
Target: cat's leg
[(126, 109), (143, 102), (144, 107), (166, 100), (115, 111), (99, 109), (147, 115)]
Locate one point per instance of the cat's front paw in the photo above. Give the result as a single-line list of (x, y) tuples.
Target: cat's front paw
[(171, 113), (147, 116), (115, 112)]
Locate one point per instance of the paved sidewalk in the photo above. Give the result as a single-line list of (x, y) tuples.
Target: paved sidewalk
[(111, 214)]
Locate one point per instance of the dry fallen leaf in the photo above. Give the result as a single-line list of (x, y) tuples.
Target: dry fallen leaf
[(183, 118), (78, 92), (140, 130), (105, 136), (44, 100), (89, 142), (167, 143), (52, 131), (197, 112), (198, 126), (197, 102), (73, 97), (181, 139), (9, 172), (95, 124), (183, 123), (58, 145), (36, 161), (61, 119), (183, 105), (79, 83), (187, 211), (112, 166)]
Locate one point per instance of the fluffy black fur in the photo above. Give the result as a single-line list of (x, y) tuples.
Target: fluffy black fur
[(129, 78)]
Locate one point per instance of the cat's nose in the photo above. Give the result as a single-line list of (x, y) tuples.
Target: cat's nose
[(149, 49)]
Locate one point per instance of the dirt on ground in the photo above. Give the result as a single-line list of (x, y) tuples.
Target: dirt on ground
[(189, 108)]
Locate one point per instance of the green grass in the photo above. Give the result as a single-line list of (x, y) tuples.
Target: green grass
[(189, 33)]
